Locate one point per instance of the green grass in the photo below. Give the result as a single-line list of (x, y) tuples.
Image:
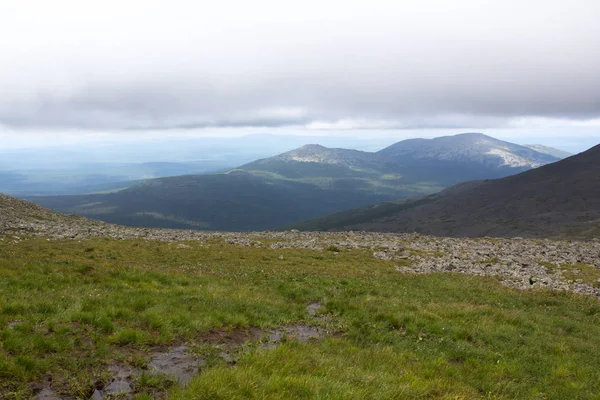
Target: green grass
[(69, 308)]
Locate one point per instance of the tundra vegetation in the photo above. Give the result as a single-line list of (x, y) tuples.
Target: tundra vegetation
[(271, 322)]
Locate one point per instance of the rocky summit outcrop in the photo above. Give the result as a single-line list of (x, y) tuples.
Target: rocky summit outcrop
[(472, 149), (564, 265)]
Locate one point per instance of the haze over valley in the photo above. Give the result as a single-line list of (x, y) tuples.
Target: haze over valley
[(304, 183)]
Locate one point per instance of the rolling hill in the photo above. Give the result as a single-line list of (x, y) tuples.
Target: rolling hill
[(305, 183), (237, 200), (560, 199)]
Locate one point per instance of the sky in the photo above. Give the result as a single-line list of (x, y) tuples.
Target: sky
[(86, 71)]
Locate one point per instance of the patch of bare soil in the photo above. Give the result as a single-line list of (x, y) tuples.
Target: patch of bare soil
[(180, 363)]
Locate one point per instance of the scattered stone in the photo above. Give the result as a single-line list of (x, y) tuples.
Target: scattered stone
[(122, 372), (520, 263), (117, 388), (513, 260), (313, 309), (226, 357), (47, 394), (13, 324)]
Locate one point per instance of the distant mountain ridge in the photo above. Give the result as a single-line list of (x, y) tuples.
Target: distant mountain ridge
[(549, 150), (294, 163), (304, 183), (469, 148), (445, 160), (561, 199), (322, 154)]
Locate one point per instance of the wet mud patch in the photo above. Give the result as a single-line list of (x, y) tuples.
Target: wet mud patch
[(45, 391), (180, 363), (177, 363), (300, 332), (231, 337)]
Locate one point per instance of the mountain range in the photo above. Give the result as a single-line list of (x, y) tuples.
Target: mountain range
[(305, 183), (444, 160), (98, 166), (561, 200)]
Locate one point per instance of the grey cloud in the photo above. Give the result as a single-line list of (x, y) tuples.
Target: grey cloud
[(403, 66)]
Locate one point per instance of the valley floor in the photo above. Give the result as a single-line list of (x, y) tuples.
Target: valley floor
[(196, 315)]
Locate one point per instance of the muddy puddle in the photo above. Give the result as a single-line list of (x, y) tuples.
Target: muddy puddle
[(181, 363)]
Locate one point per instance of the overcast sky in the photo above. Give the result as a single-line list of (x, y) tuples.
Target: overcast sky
[(125, 67)]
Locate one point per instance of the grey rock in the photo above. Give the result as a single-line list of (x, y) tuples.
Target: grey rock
[(226, 357), (117, 388), (313, 309), (97, 395), (47, 394)]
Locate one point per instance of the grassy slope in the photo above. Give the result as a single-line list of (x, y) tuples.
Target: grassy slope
[(80, 305)]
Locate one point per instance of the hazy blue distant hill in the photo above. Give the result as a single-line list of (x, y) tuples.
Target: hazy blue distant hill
[(549, 150), (304, 183), (92, 177), (81, 168), (442, 161), (465, 157), (560, 199)]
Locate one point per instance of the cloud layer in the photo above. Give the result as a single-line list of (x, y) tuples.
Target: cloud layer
[(315, 64)]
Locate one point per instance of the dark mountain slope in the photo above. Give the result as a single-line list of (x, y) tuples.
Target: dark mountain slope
[(560, 199)]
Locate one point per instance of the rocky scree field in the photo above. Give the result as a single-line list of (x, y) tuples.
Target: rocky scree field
[(92, 310)]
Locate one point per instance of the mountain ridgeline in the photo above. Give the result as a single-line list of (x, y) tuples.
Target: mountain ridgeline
[(557, 200), (445, 161), (305, 183), (549, 150)]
